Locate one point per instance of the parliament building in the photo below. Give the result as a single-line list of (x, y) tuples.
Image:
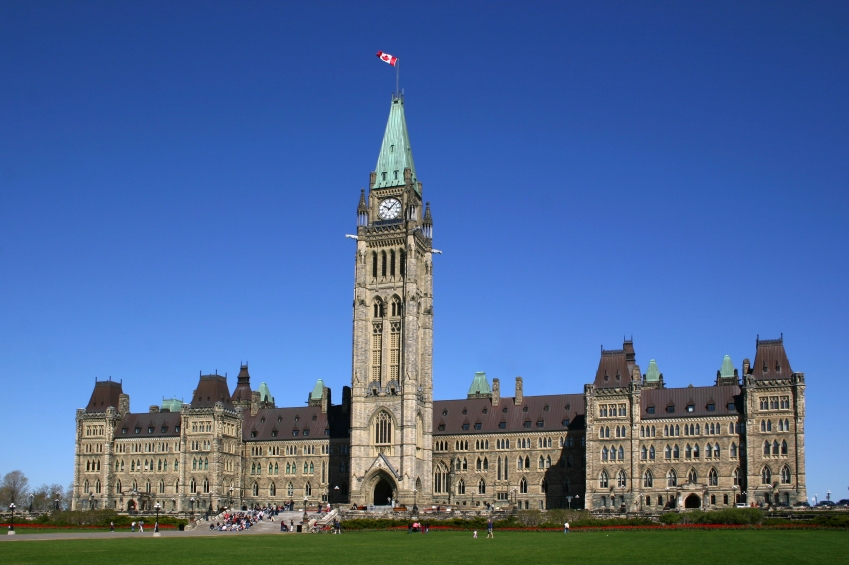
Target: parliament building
[(626, 443)]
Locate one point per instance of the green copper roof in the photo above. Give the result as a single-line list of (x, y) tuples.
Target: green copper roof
[(171, 404), (264, 393), (480, 385), (727, 369), (653, 374), (318, 391), (395, 152)]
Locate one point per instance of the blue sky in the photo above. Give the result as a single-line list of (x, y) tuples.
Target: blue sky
[(176, 181)]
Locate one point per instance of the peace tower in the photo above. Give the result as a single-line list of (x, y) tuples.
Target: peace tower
[(392, 384)]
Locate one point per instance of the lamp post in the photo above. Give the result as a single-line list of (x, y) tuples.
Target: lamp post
[(57, 500), (667, 495), (30, 502), (192, 500), (12, 522), (156, 524), (230, 500), (415, 501), (734, 494), (91, 501), (336, 493), (578, 496)]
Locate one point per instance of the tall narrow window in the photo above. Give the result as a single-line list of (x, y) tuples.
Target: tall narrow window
[(374, 264), (383, 429), (392, 263), (383, 263), (376, 349), (403, 263), (394, 349), (713, 479)]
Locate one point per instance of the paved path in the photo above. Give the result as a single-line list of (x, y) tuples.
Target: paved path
[(264, 527)]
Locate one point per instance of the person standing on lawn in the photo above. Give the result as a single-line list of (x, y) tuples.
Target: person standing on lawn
[(489, 529)]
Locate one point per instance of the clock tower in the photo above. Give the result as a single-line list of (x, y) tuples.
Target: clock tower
[(391, 379)]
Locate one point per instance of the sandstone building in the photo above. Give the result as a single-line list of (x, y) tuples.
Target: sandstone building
[(627, 442)]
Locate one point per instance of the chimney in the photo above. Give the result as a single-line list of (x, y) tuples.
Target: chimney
[(346, 398), (124, 404), (255, 399), (746, 365), (519, 398), (325, 400), (496, 391), (154, 409)]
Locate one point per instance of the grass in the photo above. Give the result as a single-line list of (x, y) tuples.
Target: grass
[(649, 547)]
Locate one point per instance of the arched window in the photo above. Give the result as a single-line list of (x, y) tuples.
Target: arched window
[(118, 487), (396, 306), (736, 476), (308, 490), (675, 451), (523, 486), (272, 490), (482, 487), (161, 487), (543, 486), (733, 450), (692, 477), (85, 486), (766, 476), (383, 263), (566, 485), (696, 451), (97, 487), (205, 464), (374, 264), (621, 453), (478, 464), (775, 447), (256, 489), (766, 448), (603, 479), (785, 475), (465, 464), (713, 479), (485, 464), (527, 462), (716, 451), (461, 487), (290, 489), (769, 425), (604, 455), (440, 479), (620, 479), (383, 429), (147, 486), (547, 462), (648, 479), (644, 453), (783, 447), (688, 451), (668, 452), (392, 264), (206, 485), (671, 478), (651, 452)]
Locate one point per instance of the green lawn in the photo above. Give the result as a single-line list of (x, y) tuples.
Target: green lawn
[(650, 547)]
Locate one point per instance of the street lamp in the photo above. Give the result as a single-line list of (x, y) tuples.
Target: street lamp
[(57, 501), (156, 524), (336, 494), (12, 523), (827, 495), (734, 493), (230, 500), (30, 502), (415, 501), (192, 500)]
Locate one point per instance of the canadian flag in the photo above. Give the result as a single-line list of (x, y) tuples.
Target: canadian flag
[(387, 58)]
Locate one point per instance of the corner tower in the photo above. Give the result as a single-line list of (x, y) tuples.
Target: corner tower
[(391, 378)]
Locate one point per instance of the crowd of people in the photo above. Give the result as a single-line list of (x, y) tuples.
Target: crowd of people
[(242, 521)]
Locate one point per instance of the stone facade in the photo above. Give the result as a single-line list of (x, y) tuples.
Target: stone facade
[(627, 443)]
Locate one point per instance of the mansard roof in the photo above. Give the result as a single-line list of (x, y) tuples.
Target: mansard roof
[(281, 424), (613, 370), (211, 389), (696, 397), (104, 395), (549, 410), (163, 424), (771, 360)]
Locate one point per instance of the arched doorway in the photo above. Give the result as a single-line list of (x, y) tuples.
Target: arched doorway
[(382, 492), (131, 506), (693, 501)]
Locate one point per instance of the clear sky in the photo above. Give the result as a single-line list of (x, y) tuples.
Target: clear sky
[(176, 180)]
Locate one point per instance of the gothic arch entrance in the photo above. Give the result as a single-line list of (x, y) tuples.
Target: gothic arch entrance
[(382, 492), (693, 501)]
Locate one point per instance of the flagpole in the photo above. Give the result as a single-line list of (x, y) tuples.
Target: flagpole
[(397, 76)]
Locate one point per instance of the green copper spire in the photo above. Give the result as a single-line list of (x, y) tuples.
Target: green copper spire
[(480, 385), (395, 152), (318, 391), (652, 374), (264, 393), (727, 369)]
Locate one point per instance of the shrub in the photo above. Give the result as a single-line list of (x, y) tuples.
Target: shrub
[(670, 518)]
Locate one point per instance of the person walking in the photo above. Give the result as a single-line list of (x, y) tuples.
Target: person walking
[(141, 526), (476, 535), (566, 528), (489, 529), (111, 526), (133, 527)]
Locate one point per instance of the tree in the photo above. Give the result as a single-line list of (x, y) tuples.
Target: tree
[(14, 488)]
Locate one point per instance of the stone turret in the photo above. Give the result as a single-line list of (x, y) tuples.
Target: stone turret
[(520, 397)]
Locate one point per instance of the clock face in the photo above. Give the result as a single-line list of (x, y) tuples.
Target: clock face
[(389, 209)]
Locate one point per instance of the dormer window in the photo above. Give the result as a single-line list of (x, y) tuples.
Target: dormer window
[(466, 426), (392, 149), (502, 425), (565, 422), (327, 431), (262, 420), (306, 432), (314, 417), (297, 418), (445, 412), (124, 431), (176, 429), (485, 410), (465, 411), (138, 430), (670, 409), (711, 407), (618, 376), (164, 429), (540, 423), (504, 410), (441, 427), (690, 408), (273, 433), (765, 367), (383, 175), (545, 408), (477, 425), (731, 407), (524, 409), (650, 410), (396, 174), (777, 366), (294, 433), (527, 423), (253, 433)]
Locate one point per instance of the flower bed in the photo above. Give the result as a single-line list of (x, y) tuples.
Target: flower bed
[(611, 528)]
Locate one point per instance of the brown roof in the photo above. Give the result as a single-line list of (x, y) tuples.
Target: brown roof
[(211, 389), (105, 394), (613, 370), (243, 385), (550, 410), (771, 360), (286, 421), (164, 424), (697, 397)]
